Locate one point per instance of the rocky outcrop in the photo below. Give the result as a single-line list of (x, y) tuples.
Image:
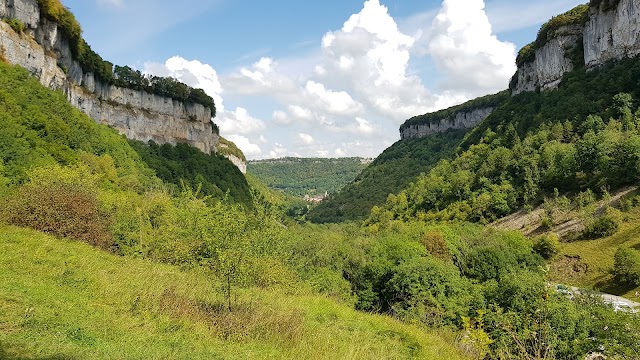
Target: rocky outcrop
[(459, 120), (551, 62), (45, 52), (612, 33), (239, 163)]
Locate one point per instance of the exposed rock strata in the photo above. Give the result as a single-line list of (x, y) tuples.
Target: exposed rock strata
[(45, 52), (461, 120)]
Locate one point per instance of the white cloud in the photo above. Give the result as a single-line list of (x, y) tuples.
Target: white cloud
[(278, 151), (464, 48), (306, 139), (249, 149), (349, 97), (370, 56), (239, 122), (193, 73), (262, 78)]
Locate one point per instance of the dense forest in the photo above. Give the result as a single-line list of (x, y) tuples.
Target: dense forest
[(307, 176), (390, 172)]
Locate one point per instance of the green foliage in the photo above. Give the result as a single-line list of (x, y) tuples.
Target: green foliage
[(39, 128), (601, 227), (227, 147), (626, 268), (312, 176), (504, 171), (392, 171), (549, 30), (580, 94), (526, 54), (214, 174), (547, 245), (148, 310), (488, 101), (62, 202), (17, 25)]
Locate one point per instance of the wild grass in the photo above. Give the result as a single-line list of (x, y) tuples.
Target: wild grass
[(61, 299), (597, 256)]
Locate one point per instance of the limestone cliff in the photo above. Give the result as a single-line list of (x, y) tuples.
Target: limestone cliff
[(459, 120), (229, 150), (463, 116), (45, 52), (551, 61), (608, 30), (612, 32)]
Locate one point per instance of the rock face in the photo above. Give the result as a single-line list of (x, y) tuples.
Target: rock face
[(551, 62), (139, 115), (612, 32), (461, 120), (239, 163)]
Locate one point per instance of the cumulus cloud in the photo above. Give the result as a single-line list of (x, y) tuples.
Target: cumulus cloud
[(349, 97), (240, 122), (262, 78), (193, 73), (237, 125), (371, 56), (249, 149), (306, 139), (465, 49)]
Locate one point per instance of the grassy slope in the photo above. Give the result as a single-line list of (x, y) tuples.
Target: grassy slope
[(598, 256), (61, 299)]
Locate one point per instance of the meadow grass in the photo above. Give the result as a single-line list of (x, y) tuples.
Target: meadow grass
[(61, 299), (598, 256)]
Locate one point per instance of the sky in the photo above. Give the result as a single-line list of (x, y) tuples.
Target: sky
[(330, 78)]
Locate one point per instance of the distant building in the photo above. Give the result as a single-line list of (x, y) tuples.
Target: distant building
[(316, 199)]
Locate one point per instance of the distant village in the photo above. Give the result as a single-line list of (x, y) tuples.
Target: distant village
[(316, 199)]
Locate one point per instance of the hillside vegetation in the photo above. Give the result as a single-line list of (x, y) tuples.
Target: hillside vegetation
[(389, 173), (312, 176), (65, 300)]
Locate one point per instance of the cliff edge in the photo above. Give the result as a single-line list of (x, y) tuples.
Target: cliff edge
[(44, 50)]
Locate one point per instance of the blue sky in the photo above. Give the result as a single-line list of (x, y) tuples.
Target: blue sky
[(329, 79)]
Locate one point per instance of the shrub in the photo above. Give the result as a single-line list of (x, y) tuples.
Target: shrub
[(547, 245), (602, 227), (626, 267), (435, 244), (17, 25), (60, 205)]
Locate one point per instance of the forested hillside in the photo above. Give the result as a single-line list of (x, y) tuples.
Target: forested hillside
[(313, 176), (390, 172), (582, 137)]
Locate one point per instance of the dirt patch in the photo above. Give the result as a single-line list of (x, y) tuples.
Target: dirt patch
[(569, 268)]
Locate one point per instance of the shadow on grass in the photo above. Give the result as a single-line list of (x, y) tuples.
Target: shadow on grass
[(611, 287), (7, 354)]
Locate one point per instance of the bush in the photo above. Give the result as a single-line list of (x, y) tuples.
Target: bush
[(17, 25), (547, 245), (602, 227), (626, 267), (60, 205)]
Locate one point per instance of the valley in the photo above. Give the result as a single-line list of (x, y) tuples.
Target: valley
[(131, 229)]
